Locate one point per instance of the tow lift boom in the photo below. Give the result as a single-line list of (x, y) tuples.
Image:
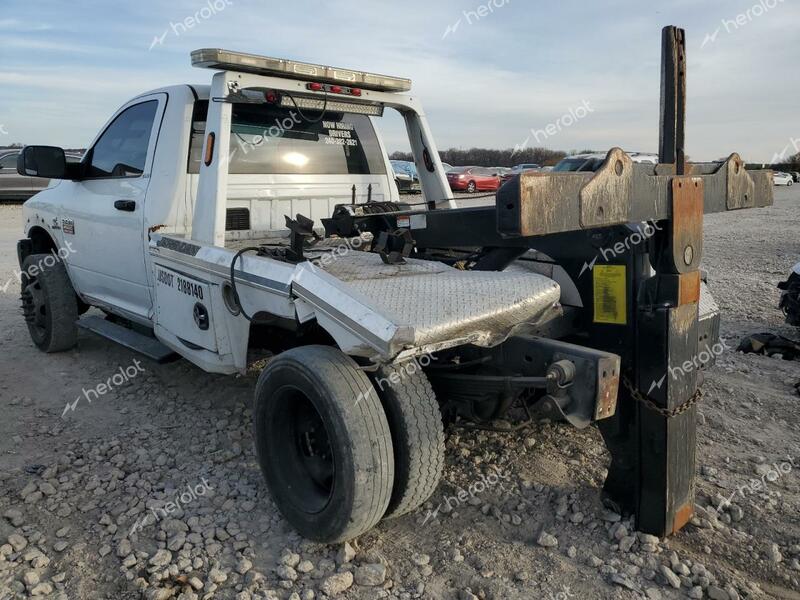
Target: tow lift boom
[(646, 304)]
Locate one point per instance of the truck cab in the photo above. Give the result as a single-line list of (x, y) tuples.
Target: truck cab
[(141, 174)]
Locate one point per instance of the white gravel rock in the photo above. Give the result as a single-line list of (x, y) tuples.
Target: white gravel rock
[(336, 584), (370, 575), (670, 576)]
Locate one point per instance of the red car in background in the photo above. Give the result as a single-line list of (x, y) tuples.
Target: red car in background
[(473, 179)]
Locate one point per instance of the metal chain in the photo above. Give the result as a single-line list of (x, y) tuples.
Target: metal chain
[(664, 412)]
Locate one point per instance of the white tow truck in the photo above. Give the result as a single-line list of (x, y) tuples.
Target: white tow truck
[(193, 220), (179, 181)]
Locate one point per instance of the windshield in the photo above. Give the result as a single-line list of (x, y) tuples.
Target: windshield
[(569, 164), (267, 139), (403, 166), (579, 164)]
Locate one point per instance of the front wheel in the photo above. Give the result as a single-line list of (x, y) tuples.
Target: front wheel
[(471, 187), (49, 303), (323, 443)]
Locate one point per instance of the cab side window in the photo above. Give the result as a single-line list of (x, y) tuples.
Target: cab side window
[(121, 150)]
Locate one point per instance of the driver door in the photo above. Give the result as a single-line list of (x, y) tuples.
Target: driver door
[(103, 219)]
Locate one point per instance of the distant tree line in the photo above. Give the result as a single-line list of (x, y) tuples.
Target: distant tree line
[(486, 157), (790, 164)]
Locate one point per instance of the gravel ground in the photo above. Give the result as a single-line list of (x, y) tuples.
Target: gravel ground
[(152, 490)]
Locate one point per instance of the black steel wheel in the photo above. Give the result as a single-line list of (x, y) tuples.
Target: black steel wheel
[(49, 303), (323, 443)]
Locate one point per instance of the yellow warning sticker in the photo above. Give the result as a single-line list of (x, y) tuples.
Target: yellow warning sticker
[(610, 297)]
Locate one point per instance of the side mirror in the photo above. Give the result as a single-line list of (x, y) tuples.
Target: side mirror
[(42, 161)]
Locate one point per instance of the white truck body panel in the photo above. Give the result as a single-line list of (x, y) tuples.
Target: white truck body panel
[(165, 260)]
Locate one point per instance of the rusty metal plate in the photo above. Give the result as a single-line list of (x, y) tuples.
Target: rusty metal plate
[(687, 223), (608, 372), (689, 288), (741, 188), (548, 202), (621, 191), (764, 188), (682, 516), (606, 199)]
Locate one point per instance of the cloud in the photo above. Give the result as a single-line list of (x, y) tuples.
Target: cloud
[(520, 67)]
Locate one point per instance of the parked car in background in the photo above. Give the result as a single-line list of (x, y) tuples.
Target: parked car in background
[(473, 179), (14, 186), (525, 167), (591, 162), (405, 175), (780, 178), (517, 169)]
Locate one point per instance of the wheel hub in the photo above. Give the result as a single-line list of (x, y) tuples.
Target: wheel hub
[(314, 448), (34, 307)]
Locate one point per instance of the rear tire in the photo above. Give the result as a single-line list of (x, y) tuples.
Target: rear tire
[(323, 443), (417, 435), (49, 303)]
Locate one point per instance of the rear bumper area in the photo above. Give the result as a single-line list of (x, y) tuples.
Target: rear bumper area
[(559, 379)]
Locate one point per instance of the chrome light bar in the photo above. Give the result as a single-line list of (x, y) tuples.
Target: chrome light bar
[(216, 58), (360, 108)]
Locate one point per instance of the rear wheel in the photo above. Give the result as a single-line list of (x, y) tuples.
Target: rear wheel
[(49, 303), (471, 187), (417, 435), (323, 443)]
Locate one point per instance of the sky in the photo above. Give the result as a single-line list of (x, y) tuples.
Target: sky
[(494, 74)]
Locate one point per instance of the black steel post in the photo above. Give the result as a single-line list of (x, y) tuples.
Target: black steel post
[(653, 446), (673, 99)]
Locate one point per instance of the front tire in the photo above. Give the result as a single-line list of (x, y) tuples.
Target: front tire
[(471, 187), (323, 443), (49, 303)]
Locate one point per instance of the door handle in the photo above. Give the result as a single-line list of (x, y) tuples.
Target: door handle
[(127, 205)]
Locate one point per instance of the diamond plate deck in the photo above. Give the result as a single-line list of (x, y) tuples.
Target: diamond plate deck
[(442, 303)]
